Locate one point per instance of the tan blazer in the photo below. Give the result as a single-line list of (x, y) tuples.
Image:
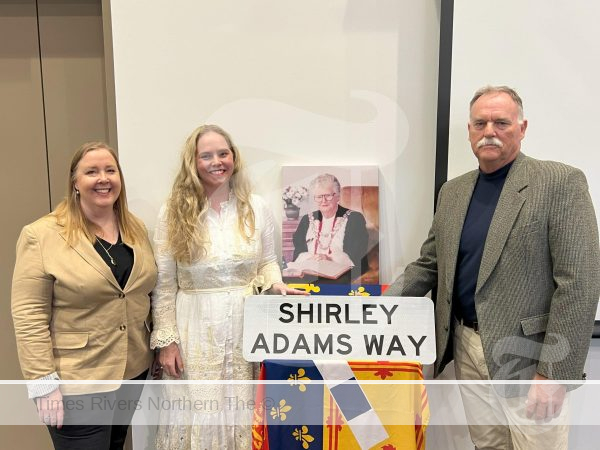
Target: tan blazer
[(539, 279), (70, 314)]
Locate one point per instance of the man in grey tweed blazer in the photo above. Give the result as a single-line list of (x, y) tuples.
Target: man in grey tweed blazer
[(513, 252)]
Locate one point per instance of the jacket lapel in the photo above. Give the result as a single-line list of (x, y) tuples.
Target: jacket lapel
[(509, 204), (138, 263), (455, 220), (89, 254)]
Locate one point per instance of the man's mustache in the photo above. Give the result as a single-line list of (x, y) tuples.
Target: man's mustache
[(489, 141)]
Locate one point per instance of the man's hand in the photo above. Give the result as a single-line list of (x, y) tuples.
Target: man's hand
[(170, 360), (545, 400), (50, 409)]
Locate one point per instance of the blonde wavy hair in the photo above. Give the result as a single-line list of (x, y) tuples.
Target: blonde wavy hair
[(68, 213), (187, 206)]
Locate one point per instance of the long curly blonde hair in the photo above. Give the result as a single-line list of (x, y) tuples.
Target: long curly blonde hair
[(187, 206), (68, 213)]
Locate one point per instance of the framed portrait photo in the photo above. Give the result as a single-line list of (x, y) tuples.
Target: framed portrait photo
[(330, 226)]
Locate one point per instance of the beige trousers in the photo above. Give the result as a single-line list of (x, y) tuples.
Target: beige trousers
[(496, 422)]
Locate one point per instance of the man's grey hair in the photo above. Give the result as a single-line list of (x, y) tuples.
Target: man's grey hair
[(496, 90), (326, 178)]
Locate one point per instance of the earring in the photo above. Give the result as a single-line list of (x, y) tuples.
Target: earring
[(76, 191)]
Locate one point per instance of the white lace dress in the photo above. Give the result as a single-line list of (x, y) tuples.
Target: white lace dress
[(200, 306)]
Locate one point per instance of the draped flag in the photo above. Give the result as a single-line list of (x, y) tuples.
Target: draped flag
[(289, 415), (340, 415)]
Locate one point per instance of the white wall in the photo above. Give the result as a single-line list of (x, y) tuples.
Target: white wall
[(341, 82), (548, 51), (346, 82)]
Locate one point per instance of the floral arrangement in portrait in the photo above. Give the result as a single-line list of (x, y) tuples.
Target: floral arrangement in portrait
[(293, 195)]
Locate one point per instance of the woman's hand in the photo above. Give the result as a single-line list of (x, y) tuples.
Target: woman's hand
[(321, 257), (170, 360), (283, 289), (50, 409), (156, 370)]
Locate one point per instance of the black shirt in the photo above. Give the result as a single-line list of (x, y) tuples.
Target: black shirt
[(472, 240), (122, 256)]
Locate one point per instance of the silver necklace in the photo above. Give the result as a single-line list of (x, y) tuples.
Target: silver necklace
[(112, 261)]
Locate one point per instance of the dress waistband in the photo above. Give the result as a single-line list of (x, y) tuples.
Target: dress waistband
[(255, 286), (215, 290)]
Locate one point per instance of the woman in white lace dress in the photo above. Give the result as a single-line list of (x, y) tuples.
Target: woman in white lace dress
[(214, 246)]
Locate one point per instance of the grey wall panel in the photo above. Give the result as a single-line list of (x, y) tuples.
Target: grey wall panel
[(24, 180), (49, 104), (72, 49)]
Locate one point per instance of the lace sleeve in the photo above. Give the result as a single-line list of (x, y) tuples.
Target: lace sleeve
[(268, 267), (163, 297)]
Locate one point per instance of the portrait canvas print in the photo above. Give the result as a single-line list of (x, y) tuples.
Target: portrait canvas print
[(330, 225)]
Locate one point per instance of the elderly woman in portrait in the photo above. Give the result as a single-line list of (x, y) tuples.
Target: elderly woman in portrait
[(331, 233), (80, 299), (214, 246)]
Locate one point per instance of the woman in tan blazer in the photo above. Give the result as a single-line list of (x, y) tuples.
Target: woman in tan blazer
[(80, 300)]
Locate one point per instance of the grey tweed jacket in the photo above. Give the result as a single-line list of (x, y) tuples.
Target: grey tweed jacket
[(539, 279)]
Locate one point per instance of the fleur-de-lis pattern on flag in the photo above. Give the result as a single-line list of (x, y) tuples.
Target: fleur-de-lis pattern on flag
[(316, 421)]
